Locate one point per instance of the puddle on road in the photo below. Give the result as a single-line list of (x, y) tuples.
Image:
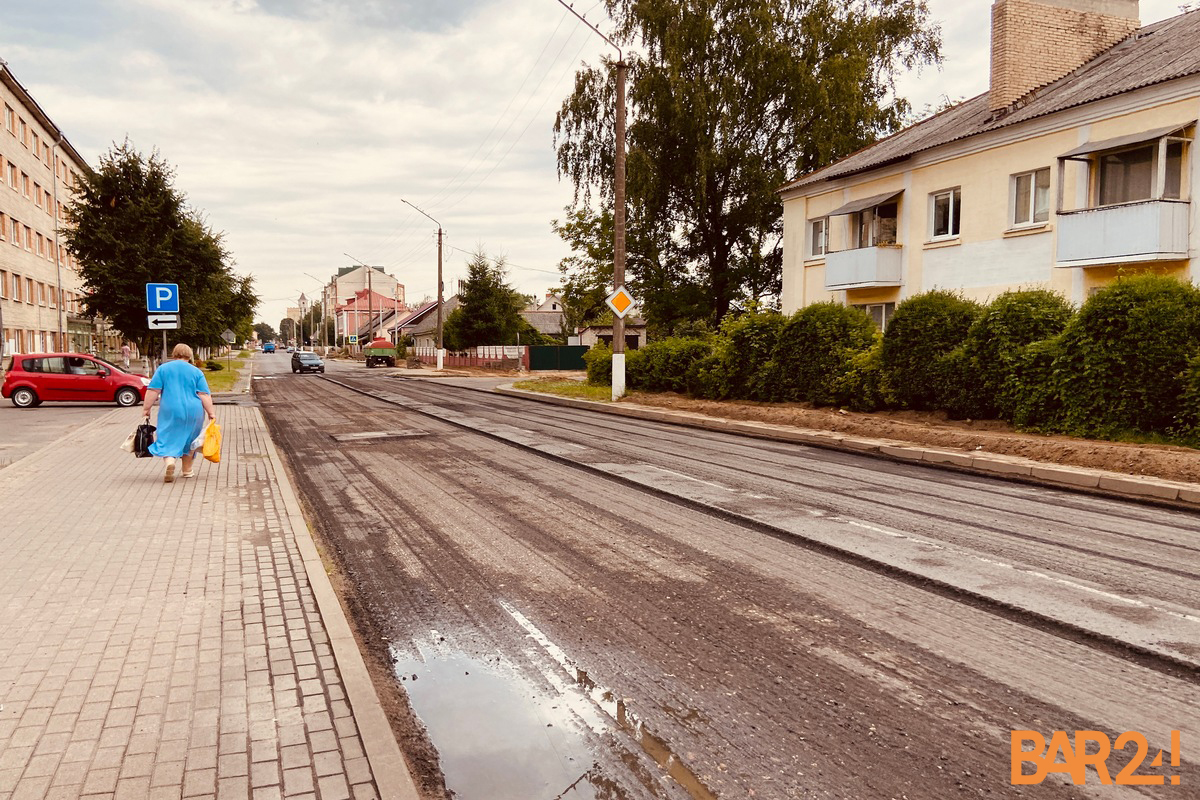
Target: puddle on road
[(501, 737)]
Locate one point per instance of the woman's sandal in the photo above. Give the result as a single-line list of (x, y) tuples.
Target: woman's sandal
[(170, 476), (187, 474)]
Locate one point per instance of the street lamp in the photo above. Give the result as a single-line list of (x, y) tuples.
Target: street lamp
[(303, 302), (618, 361), (324, 310), (440, 352)]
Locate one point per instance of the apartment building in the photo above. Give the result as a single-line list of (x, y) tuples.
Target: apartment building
[(40, 291), (1074, 167)]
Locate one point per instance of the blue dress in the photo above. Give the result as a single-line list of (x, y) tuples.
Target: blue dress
[(180, 413)]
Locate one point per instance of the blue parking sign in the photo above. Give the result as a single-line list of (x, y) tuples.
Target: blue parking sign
[(162, 298)]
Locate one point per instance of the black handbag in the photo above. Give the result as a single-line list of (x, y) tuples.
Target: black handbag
[(142, 439)]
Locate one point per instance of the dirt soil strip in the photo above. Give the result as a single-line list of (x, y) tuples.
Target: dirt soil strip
[(1164, 633), (767, 668)]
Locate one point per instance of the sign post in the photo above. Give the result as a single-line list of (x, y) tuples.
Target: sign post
[(230, 337), (620, 301), (162, 305)]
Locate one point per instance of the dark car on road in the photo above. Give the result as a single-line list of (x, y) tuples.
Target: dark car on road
[(35, 378), (307, 362)]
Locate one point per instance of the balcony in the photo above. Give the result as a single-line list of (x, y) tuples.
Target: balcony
[(1155, 230), (864, 267)]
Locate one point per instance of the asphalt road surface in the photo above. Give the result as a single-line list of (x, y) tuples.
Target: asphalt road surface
[(572, 605)]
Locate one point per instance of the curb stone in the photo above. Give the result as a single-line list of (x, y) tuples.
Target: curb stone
[(392, 777), (1116, 484)]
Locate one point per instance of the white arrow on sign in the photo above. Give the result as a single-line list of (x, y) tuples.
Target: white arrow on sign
[(162, 322)]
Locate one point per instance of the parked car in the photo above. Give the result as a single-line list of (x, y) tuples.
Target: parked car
[(307, 362), (35, 378), (291, 349), (269, 347)]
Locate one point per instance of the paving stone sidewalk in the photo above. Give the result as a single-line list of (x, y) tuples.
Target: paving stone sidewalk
[(163, 640)]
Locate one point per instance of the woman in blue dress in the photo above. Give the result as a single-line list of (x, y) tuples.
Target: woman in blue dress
[(183, 411)]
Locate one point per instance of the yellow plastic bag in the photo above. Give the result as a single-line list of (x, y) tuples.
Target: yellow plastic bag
[(212, 443)]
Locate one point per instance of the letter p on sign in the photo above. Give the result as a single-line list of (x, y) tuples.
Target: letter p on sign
[(162, 298)]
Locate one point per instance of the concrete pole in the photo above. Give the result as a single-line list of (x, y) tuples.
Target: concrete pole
[(618, 359), (441, 353)]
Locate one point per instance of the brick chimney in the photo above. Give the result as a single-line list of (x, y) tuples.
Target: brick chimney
[(1035, 42)]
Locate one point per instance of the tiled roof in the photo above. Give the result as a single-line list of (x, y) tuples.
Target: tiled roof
[(1156, 53)]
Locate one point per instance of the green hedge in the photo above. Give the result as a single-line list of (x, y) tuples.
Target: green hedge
[(664, 366), (741, 366), (815, 349), (1123, 358), (924, 329), (976, 374), (599, 364)]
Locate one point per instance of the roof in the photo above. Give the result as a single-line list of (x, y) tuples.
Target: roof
[(378, 302), (549, 322), (1154, 54), (414, 317), (41, 116)]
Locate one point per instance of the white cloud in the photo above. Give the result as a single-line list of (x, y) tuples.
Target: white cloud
[(298, 125)]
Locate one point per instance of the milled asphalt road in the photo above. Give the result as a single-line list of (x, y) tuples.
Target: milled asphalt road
[(712, 604)]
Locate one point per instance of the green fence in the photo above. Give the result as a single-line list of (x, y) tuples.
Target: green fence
[(556, 357)]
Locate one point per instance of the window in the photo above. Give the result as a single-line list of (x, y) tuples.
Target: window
[(41, 245), (37, 145), (16, 287), (1127, 176), (10, 119), (3, 283), (29, 298), (12, 175), (24, 184), (23, 132), (41, 294), (874, 226), (880, 313), (82, 366), (46, 153), (16, 232), (946, 213), (819, 229), (28, 238), (37, 194), (1031, 197)]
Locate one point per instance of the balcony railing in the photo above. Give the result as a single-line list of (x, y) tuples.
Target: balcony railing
[(864, 267), (1154, 230)]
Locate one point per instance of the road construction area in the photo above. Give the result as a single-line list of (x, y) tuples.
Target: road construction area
[(563, 604)]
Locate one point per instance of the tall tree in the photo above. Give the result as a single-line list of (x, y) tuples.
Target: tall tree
[(488, 310), (129, 227), (264, 332), (728, 99)]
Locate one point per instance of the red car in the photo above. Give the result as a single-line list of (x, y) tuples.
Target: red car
[(39, 377)]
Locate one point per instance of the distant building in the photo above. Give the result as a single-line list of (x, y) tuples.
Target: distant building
[(546, 316), (1074, 167), (635, 334), (364, 313), (40, 290)]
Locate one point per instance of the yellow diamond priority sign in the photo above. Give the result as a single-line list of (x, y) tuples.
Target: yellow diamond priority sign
[(620, 301)]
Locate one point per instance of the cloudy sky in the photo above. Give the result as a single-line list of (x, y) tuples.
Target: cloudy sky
[(298, 126)]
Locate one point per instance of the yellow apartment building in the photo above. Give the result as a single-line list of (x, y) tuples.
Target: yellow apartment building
[(40, 291), (1074, 167)]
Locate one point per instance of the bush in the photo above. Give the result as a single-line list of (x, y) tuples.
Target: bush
[(924, 329), (1124, 357), (213, 366), (1032, 387), (664, 366), (742, 365), (599, 364), (976, 374), (864, 385), (815, 348), (1187, 424)]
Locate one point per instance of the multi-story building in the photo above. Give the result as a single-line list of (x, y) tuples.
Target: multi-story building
[(1076, 166), (40, 291)]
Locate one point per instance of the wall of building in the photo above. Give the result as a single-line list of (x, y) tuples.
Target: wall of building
[(990, 255), (30, 214)]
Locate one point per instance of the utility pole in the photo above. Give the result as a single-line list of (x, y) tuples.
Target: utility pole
[(370, 307), (618, 361), (440, 352)]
